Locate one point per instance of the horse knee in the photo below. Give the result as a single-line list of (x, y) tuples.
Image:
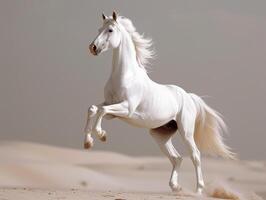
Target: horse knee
[(102, 110), (193, 150), (92, 110)]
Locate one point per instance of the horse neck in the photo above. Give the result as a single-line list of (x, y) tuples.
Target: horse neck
[(124, 59)]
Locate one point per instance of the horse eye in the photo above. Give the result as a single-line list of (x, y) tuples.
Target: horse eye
[(110, 30)]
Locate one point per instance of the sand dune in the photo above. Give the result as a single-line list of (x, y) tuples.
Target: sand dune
[(35, 171)]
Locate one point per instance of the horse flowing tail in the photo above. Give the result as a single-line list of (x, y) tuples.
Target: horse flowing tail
[(209, 129)]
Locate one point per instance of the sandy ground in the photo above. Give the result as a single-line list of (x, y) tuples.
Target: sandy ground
[(34, 171)]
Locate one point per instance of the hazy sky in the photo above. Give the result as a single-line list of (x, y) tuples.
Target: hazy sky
[(212, 48)]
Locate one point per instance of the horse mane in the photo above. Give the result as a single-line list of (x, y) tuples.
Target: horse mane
[(143, 46)]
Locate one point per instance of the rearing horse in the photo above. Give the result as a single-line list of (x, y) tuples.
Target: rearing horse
[(132, 96)]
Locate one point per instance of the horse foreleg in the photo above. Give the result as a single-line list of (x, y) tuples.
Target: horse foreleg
[(116, 110), (88, 141)]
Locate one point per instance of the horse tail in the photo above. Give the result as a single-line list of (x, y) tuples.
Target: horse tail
[(209, 130)]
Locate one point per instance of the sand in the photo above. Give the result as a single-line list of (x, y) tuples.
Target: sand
[(35, 171)]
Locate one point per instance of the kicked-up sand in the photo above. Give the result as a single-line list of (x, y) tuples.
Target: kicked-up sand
[(33, 171)]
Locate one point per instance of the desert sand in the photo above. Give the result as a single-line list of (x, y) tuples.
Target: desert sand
[(35, 171)]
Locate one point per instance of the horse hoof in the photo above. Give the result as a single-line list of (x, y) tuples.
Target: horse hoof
[(103, 138), (87, 145), (88, 141), (175, 188), (199, 191), (101, 135)]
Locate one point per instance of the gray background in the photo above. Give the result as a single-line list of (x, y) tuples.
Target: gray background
[(47, 79)]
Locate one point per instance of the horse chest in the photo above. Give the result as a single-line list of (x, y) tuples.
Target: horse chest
[(116, 91)]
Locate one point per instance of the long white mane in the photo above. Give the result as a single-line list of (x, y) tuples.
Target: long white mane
[(143, 46)]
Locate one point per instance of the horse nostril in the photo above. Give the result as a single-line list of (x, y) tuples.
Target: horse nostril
[(94, 48)]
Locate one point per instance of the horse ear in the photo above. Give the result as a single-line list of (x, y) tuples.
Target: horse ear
[(103, 15), (114, 15)]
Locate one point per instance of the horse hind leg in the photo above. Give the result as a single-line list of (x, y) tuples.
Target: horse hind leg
[(163, 137), (186, 130)]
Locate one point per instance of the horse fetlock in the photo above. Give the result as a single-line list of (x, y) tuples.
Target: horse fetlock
[(199, 190), (101, 134), (200, 187), (175, 186), (88, 142), (103, 138)]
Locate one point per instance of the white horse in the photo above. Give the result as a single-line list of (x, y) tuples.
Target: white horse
[(132, 96)]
